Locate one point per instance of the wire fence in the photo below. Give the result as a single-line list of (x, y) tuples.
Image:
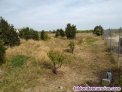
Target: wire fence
[(113, 38)]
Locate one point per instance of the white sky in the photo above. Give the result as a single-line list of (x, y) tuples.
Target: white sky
[(53, 14)]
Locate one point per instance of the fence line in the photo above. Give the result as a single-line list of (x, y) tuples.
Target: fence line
[(113, 38)]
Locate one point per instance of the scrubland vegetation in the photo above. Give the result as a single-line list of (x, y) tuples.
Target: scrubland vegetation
[(52, 62), (29, 69)]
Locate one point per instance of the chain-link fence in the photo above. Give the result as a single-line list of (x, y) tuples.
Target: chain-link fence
[(113, 38)]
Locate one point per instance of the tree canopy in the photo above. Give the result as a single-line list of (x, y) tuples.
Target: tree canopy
[(98, 30), (70, 31), (28, 33), (8, 34)]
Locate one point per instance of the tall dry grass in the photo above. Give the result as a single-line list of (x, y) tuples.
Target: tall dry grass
[(37, 49), (89, 56)]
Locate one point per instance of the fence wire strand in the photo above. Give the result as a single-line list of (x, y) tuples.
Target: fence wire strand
[(113, 38)]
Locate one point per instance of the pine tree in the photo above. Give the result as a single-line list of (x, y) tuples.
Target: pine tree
[(8, 33), (33, 34), (98, 30), (62, 33), (44, 35), (70, 31)]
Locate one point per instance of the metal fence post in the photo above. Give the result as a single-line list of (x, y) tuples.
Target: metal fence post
[(107, 36), (110, 38), (119, 46)]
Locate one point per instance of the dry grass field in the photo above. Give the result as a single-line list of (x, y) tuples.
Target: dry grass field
[(88, 64)]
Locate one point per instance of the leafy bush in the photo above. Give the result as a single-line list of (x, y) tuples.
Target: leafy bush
[(56, 58), (60, 32), (70, 31), (28, 33), (72, 46), (98, 30)]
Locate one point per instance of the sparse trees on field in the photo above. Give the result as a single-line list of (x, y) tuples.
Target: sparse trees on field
[(70, 31), (57, 60), (98, 30), (72, 46)]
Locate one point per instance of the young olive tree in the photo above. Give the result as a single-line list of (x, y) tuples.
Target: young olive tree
[(57, 60), (72, 46)]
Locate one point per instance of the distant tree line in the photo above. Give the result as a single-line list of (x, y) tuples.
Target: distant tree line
[(84, 31)]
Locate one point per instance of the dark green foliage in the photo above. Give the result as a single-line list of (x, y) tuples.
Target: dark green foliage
[(24, 33), (44, 35), (72, 46), (98, 30), (56, 58), (57, 33), (28, 33), (2, 52), (33, 34), (8, 33), (13, 37), (70, 31), (60, 32)]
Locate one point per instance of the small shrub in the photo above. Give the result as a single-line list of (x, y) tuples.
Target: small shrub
[(56, 58), (80, 40), (98, 30), (72, 46)]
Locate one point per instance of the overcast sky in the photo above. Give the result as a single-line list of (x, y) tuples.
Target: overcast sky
[(53, 14)]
